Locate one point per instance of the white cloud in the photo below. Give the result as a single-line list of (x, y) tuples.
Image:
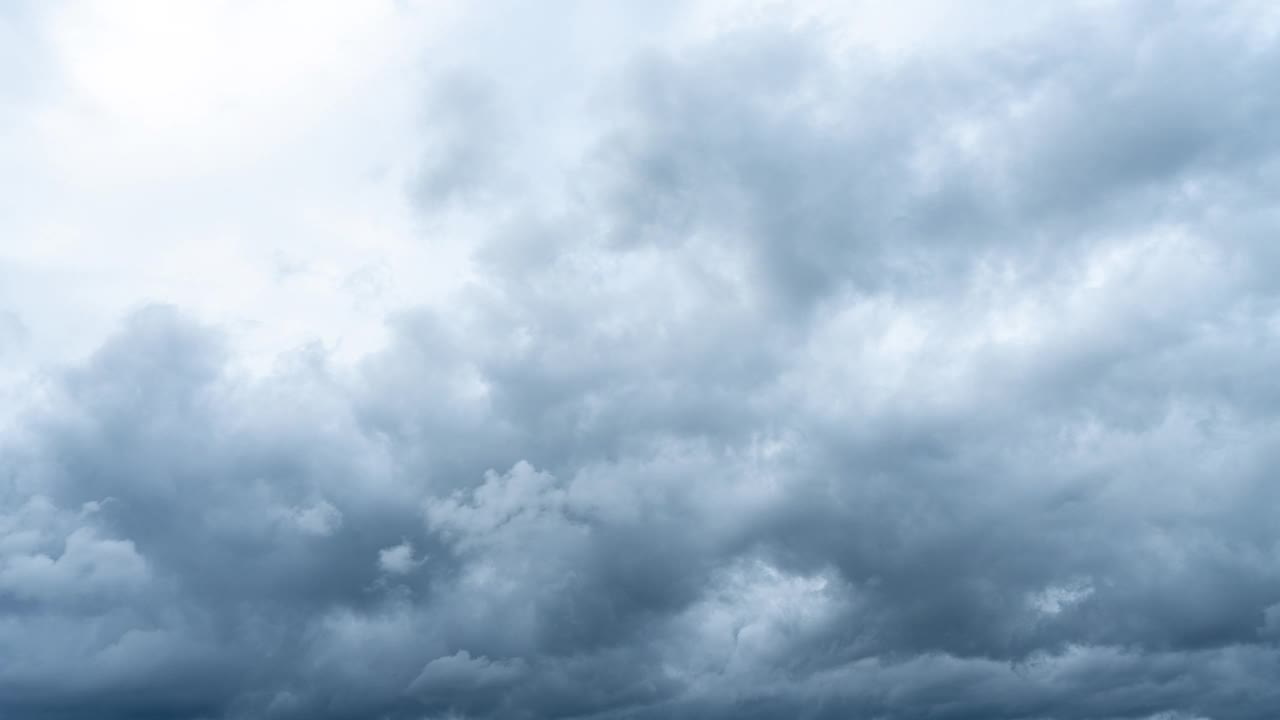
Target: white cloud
[(397, 559), (155, 153), (1055, 599), (88, 566)]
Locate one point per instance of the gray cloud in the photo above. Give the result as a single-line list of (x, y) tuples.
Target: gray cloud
[(837, 385), (464, 155)]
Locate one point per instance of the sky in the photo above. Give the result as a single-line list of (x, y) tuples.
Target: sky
[(712, 359)]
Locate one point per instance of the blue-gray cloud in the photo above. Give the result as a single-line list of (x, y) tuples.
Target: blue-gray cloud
[(836, 385)]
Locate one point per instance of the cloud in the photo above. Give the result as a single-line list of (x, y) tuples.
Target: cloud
[(321, 518), (49, 559), (397, 559), (791, 374)]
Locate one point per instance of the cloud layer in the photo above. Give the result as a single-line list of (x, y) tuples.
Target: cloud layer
[(783, 374)]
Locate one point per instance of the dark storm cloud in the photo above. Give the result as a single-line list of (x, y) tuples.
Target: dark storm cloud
[(843, 386), (826, 171)]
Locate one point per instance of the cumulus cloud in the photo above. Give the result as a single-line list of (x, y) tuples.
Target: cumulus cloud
[(397, 559), (48, 557), (776, 361)]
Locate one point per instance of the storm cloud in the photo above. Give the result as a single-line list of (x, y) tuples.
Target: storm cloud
[(746, 362)]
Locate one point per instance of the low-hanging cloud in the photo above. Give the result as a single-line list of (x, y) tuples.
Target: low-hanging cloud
[(831, 384)]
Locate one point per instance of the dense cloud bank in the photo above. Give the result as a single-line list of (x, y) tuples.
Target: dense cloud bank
[(819, 383)]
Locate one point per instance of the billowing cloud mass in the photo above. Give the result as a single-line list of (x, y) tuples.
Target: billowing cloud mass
[(640, 360)]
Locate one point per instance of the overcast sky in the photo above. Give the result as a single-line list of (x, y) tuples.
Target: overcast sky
[(395, 360)]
